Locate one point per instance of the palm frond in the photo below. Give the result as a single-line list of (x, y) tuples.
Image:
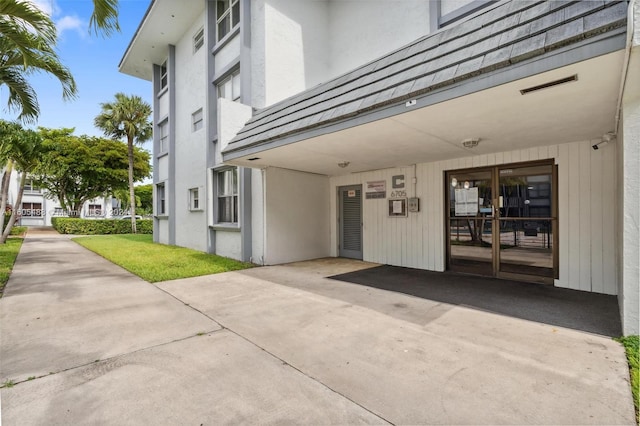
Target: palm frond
[(105, 17)]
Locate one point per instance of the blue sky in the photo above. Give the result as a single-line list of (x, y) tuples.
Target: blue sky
[(93, 61)]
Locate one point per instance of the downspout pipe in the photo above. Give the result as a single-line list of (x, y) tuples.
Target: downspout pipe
[(625, 65)]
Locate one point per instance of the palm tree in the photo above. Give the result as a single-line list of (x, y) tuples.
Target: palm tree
[(27, 45), (25, 154), (127, 117), (104, 17)]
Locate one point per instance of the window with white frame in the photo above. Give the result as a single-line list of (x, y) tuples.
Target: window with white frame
[(194, 199), (227, 16), (227, 195), (164, 79), (197, 120), (198, 40), (30, 187), (161, 196), (95, 210), (229, 87), (31, 210), (163, 144)]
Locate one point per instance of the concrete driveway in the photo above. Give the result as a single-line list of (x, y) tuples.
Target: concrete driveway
[(88, 343)]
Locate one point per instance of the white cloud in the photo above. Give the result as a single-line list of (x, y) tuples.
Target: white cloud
[(47, 6), (70, 23)]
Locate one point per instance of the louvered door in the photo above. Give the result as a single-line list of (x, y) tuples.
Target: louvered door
[(350, 221)]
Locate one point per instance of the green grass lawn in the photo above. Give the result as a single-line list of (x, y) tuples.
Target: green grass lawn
[(8, 254), (157, 262), (632, 347)]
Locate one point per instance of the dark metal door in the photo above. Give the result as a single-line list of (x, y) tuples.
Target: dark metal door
[(350, 221)]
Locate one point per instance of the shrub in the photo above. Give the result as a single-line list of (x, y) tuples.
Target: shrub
[(66, 225)]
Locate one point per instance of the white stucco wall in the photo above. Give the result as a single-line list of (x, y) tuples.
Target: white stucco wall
[(232, 116), (257, 216), (163, 231), (448, 6), (629, 193), (297, 216), (228, 54), (163, 104), (228, 244), (299, 44), (586, 224), (360, 32), (190, 146)]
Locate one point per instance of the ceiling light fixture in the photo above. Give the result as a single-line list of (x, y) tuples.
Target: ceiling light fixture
[(471, 142), (343, 164)]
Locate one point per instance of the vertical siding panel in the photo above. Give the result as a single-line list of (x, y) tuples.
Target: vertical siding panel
[(524, 155), (475, 160), (563, 214), (597, 223), (433, 221), (516, 156), (553, 151), (438, 202), (584, 153), (543, 152), (499, 158), (491, 159), (507, 157), (424, 215), (574, 215), (609, 203), (534, 154)]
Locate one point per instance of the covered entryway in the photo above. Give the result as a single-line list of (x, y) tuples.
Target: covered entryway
[(350, 221), (502, 221)]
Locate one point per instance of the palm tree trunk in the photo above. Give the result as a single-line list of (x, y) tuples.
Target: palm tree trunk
[(14, 212), (132, 195), (6, 180)]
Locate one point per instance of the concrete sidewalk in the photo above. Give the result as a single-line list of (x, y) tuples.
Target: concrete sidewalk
[(280, 345)]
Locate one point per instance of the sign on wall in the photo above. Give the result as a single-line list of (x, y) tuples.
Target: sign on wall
[(398, 208), (466, 202), (376, 189)]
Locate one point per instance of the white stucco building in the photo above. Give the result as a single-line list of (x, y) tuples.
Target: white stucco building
[(37, 209), (499, 138)]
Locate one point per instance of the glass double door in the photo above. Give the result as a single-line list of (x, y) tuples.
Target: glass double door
[(502, 221)]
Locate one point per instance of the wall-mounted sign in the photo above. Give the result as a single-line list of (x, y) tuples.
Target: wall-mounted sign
[(397, 181), (398, 208), (376, 189), (351, 193)]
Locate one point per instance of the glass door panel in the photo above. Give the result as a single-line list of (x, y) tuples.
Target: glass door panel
[(470, 221), (526, 220)]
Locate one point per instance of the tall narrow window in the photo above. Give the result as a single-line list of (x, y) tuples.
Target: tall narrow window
[(194, 199), (229, 88), (164, 137), (164, 80), (197, 120), (95, 210), (227, 16), (198, 40), (161, 205), (227, 196)]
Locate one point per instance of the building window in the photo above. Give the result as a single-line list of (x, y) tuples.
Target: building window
[(197, 120), (194, 199), (229, 88), (198, 40), (227, 195), (95, 210), (31, 210), (164, 80), (30, 187), (227, 16), (164, 137), (160, 193)]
